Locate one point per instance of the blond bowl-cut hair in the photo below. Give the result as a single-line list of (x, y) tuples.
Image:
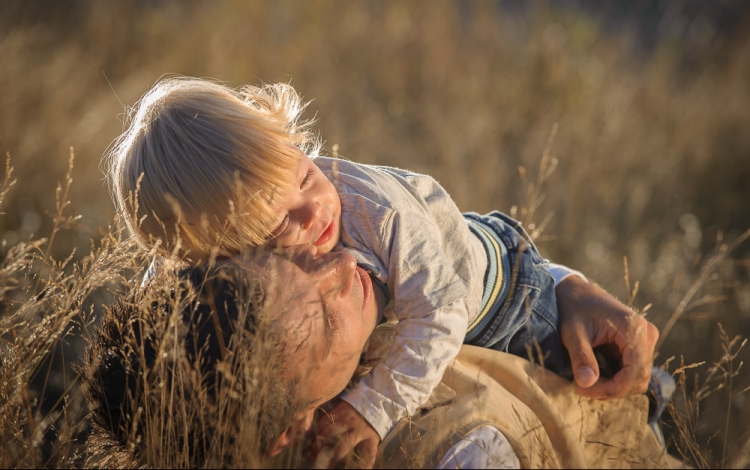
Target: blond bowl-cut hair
[(196, 171)]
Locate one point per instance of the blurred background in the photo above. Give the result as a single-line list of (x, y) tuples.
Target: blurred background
[(650, 101)]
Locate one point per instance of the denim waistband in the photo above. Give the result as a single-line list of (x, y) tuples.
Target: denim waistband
[(496, 276)]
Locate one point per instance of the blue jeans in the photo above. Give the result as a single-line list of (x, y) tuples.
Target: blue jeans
[(527, 322)]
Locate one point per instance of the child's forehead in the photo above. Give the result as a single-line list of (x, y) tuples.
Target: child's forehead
[(277, 192), (303, 160), (302, 156)]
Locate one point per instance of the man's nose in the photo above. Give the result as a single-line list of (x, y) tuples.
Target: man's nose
[(334, 271), (299, 254)]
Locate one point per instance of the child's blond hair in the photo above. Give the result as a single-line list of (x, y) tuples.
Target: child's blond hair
[(197, 169)]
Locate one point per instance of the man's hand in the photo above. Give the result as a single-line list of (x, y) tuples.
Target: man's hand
[(590, 318), (341, 432)]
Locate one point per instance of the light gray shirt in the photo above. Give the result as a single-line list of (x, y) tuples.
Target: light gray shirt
[(405, 229)]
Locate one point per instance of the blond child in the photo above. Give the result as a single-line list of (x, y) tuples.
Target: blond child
[(205, 171)]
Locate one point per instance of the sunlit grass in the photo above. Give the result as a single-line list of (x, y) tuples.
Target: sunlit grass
[(651, 162)]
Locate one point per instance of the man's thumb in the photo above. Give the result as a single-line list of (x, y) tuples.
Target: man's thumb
[(585, 368)]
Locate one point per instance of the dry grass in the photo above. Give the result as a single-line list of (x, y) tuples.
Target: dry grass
[(179, 407), (651, 149), (207, 395)]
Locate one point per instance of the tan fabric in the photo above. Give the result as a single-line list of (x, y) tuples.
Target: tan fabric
[(548, 425)]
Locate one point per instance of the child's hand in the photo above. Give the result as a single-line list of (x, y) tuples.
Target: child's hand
[(344, 432)]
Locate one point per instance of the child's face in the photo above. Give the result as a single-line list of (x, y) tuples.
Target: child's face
[(309, 212)]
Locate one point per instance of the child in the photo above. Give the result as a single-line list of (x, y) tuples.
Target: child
[(216, 170)]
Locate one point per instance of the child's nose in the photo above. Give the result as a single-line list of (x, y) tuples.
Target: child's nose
[(310, 214)]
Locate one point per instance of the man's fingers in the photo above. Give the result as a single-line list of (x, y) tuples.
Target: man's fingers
[(590, 317), (328, 435), (323, 459), (368, 451), (582, 359), (345, 449), (628, 381), (329, 451), (340, 452), (635, 341)]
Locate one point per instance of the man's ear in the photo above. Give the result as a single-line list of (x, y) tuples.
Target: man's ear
[(294, 433), (279, 444)]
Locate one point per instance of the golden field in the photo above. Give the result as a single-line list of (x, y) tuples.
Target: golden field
[(649, 140)]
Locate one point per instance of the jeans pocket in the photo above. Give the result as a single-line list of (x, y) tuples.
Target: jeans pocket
[(538, 338)]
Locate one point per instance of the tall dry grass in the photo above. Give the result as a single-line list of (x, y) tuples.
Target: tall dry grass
[(161, 403), (184, 379), (652, 153), (47, 313)]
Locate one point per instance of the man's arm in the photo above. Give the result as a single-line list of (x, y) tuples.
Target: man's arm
[(589, 318)]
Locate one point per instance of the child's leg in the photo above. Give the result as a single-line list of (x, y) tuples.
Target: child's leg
[(525, 322)]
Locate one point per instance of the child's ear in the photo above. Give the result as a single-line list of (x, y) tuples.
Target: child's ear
[(294, 433)]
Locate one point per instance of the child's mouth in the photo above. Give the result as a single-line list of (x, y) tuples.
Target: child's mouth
[(326, 236)]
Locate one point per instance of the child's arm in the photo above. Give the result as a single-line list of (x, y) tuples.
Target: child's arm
[(414, 364), (422, 349)]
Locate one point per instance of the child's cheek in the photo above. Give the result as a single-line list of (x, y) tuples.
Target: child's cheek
[(335, 204), (324, 249), (328, 247)]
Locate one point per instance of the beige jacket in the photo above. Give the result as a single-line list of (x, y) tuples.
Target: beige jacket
[(546, 423)]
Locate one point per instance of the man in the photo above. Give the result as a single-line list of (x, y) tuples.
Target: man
[(281, 310)]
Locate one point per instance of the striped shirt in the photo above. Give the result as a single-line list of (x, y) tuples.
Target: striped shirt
[(496, 277)]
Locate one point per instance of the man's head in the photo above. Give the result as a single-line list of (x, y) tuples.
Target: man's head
[(292, 330), (326, 306), (202, 163), (185, 369)]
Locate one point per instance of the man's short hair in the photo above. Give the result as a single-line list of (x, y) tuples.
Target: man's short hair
[(187, 371)]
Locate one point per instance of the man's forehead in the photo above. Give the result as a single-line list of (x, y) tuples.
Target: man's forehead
[(290, 265), (275, 271), (288, 287), (292, 295)]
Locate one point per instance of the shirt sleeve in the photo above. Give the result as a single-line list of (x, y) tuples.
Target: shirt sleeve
[(422, 349), (560, 273), (484, 447), (407, 231)]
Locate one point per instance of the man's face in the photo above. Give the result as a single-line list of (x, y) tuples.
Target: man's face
[(328, 308)]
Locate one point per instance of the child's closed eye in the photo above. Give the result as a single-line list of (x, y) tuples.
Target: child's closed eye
[(279, 229), (308, 177)]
